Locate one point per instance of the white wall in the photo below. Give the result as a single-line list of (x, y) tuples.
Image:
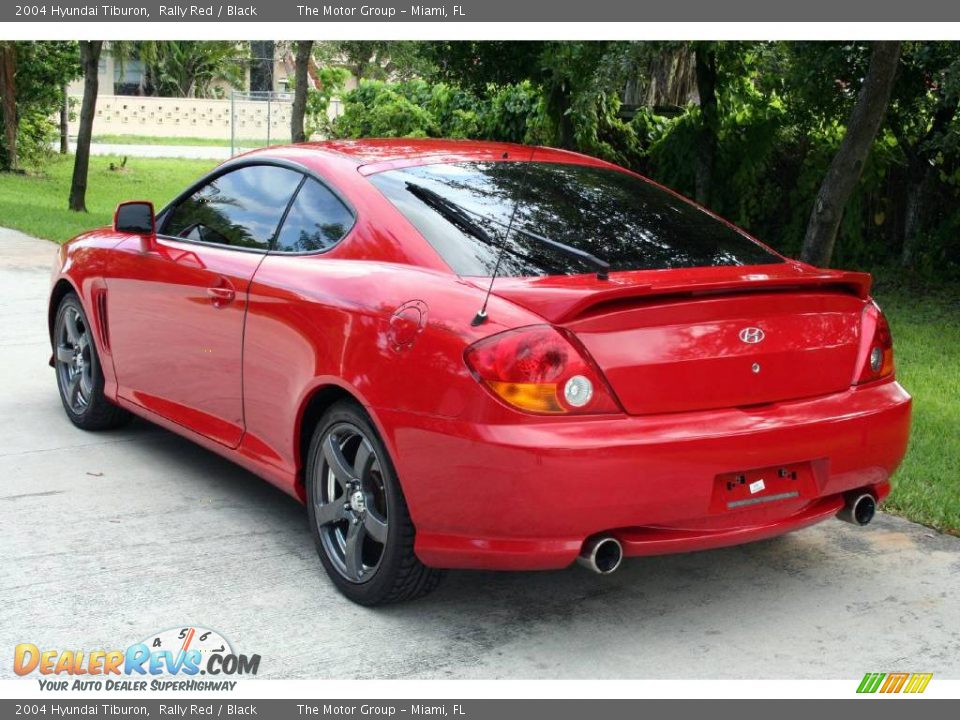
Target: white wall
[(190, 118)]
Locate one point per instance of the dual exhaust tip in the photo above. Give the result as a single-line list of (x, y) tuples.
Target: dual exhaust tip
[(603, 554), (859, 510)]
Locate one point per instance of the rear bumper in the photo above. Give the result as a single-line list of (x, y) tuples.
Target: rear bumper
[(527, 495)]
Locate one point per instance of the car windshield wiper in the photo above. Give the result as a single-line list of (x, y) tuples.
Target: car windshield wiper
[(601, 266), (461, 218), (452, 212)]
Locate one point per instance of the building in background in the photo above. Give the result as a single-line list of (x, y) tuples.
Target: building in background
[(124, 107)]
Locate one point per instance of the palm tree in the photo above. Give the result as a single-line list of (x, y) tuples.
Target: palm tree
[(186, 68)]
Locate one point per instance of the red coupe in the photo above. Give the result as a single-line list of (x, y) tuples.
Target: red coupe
[(483, 355)]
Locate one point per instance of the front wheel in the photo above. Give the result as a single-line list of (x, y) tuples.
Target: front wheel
[(358, 515), (79, 377)]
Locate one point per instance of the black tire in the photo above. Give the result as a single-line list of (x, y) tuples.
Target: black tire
[(77, 367), (341, 512)]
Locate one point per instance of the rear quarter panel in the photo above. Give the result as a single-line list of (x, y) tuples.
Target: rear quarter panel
[(392, 335)]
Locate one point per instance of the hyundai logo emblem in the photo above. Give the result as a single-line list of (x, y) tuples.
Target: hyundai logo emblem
[(751, 335)]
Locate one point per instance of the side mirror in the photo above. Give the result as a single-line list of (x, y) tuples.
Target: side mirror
[(137, 217)]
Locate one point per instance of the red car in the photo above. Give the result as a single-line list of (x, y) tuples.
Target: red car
[(483, 355)]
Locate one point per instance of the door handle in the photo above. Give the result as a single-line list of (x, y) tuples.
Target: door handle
[(221, 296)]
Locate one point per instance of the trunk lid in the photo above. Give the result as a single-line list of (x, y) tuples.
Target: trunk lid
[(681, 340)]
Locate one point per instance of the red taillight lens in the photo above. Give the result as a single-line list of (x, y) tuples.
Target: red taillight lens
[(876, 347), (538, 369)]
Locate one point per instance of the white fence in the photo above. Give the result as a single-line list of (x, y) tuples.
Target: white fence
[(259, 118)]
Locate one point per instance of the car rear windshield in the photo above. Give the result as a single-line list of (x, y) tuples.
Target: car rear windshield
[(617, 217)]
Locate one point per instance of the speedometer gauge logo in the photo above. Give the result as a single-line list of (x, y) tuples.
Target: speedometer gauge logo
[(182, 640)]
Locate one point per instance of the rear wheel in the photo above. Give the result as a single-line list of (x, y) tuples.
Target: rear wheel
[(358, 514), (79, 377)]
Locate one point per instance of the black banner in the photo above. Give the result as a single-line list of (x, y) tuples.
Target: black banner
[(205, 709), (480, 11)]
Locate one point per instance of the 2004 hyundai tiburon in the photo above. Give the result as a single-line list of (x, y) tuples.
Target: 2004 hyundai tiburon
[(482, 355)]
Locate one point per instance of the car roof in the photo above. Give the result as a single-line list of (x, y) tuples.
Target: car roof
[(373, 155)]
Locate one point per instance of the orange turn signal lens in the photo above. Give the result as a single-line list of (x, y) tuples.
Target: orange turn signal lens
[(532, 397)]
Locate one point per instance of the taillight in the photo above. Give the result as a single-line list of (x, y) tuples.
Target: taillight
[(876, 349), (539, 370)]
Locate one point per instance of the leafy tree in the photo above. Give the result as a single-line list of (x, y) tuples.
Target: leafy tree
[(42, 69), (581, 85), (513, 113), (330, 82), (476, 64), (922, 119), (378, 59), (378, 109)]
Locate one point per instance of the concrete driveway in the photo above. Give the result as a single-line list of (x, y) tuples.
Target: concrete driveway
[(106, 538)]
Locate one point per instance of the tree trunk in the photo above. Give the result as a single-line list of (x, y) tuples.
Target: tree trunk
[(300, 87), (8, 104), (90, 61), (918, 182), (920, 176), (706, 69), (847, 165), (558, 105), (64, 122), (672, 81)]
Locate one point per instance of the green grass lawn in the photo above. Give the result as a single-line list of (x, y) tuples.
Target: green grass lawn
[(36, 203), (926, 338), (205, 142), (925, 321)]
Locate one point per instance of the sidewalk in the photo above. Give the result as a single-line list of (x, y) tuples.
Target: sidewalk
[(194, 152)]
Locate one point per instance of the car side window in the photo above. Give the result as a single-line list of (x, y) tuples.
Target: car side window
[(241, 208), (316, 221)]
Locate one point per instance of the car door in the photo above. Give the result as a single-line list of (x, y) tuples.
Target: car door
[(289, 339), (176, 311)]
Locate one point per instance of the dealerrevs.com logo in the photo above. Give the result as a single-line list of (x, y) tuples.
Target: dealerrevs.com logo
[(173, 659)]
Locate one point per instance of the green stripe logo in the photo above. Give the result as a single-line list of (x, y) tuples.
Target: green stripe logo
[(895, 682), (871, 682)]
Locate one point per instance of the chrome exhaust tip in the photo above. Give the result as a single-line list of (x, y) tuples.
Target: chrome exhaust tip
[(859, 510), (602, 555)]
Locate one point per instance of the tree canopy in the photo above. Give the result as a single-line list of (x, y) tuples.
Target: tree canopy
[(749, 128)]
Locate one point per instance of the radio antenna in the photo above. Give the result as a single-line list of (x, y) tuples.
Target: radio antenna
[(481, 317)]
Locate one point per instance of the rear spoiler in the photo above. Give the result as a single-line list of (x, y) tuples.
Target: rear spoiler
[(558, 301)]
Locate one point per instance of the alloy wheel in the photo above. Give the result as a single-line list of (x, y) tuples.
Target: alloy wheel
[(350, 502), (74, 360)]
